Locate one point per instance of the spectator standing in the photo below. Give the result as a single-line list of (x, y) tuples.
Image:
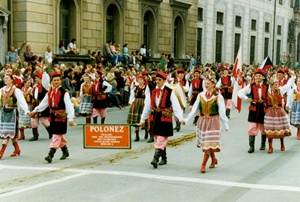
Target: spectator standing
[(48, 55), (12, 54)]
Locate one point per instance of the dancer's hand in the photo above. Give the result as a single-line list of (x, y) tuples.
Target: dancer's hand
[(71, 123), (182, 122), (141, 124)]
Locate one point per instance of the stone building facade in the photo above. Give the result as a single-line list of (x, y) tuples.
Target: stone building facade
[(166, 26), (213, 29), (225, 25)]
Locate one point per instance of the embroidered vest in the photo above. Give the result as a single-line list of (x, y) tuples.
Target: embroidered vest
[(208, 108)]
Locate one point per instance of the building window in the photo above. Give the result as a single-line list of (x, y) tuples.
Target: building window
[(220, 18), (278, 48), (238, 20), (219, 36), (199, 41), (253, 24), (237, 40), (281, 2), (64, 22), (279, 30), (252, 49), (267, 27), (266, 49), (200, 14), (292, 3)]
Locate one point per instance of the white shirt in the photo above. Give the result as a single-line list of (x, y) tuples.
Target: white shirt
[(69, 106), (221, 106), (175, 106), (21, 102)]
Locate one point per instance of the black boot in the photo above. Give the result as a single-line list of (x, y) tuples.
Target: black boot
[(263, 142), (65, 152), (95, 120), (251, 144), (102, 120), (228, 113), (49, 132), (177, 126), (195, 120), (137, 137), (157, 154), (35, 135), (151, 139), (163, 160), (146, 134), (50, 155)]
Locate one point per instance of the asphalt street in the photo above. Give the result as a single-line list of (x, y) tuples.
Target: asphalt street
[(126, 175)]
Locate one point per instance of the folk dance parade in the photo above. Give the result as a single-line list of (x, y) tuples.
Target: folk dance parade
[(200, 97)]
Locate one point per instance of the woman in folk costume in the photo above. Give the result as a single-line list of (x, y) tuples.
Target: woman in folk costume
[(11, 98), (182, 85), (196, 87), (136, 100), (100, 88), (211, 106), (293, 103), (276, 121), (24, 119), (225, 84), (61, 109), (86, 94)]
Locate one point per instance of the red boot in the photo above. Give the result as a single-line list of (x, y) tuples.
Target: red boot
[(22, 135), (2, 150), (270, 150), (17, 149), (214, 160), (203, 166)]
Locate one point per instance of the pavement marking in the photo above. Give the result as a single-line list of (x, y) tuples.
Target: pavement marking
[(140, 175), (42, 184)]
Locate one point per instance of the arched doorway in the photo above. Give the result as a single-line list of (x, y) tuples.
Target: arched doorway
[(178, 38), (113, 30), (149, 31), (67, 14)]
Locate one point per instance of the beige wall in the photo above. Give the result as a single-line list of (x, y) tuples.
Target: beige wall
[(33, 22), (37, 22)]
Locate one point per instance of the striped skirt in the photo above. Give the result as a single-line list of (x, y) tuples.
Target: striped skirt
[(276, 123), (8, 124), (208, 134), (135, 111), (86, 105), (295, 114), (24, 119)]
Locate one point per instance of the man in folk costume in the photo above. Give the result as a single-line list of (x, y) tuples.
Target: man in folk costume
[(161, 105), (185, 85), (86, 94), (256, 95), (196, 87), (39, 91), (225, 84), (61, 109), (100, 88), (152, 86), (282, 80)]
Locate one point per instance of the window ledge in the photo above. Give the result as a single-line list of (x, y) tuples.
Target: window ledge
[(181, 4)]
